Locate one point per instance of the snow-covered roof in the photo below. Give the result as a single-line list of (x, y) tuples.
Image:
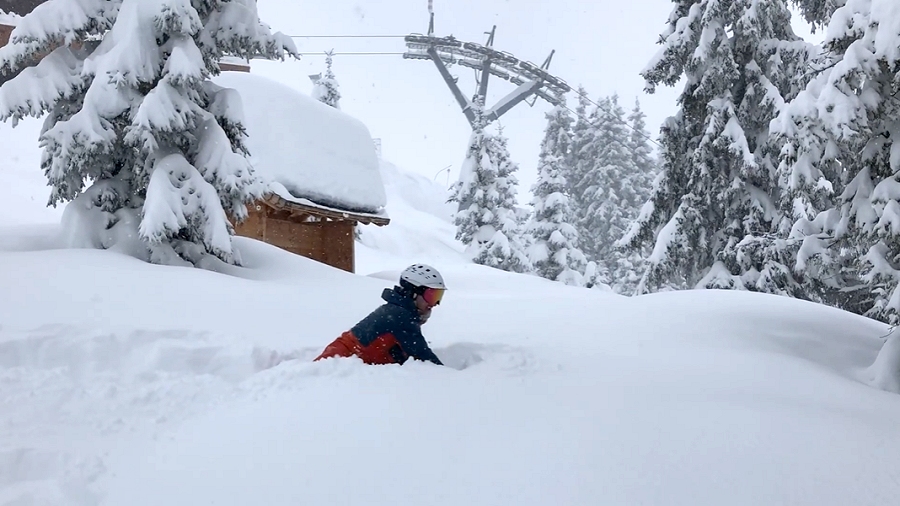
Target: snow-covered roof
[(234, 60), (9, 19), (19, 7), (313, 151)]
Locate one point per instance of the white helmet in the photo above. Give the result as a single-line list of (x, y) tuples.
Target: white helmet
[(421, 275)]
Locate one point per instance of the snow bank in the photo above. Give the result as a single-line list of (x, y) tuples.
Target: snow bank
[(123, 382), (421, 225), (116, 395), (885, 372), (314, 151)]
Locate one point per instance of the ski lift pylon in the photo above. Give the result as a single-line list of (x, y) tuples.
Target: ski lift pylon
[(532, 81)]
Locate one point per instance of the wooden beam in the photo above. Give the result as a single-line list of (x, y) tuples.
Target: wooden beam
[(278, 203)]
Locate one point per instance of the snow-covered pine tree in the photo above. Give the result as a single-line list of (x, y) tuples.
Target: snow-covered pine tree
[(129, 106), (716, 187), (580, 157), (506, 247), (554, 252), (605, 191), (487, 221), (641, 156), (817, 12), (841, 134), (326, 89), (466, 192), (809, 181), (629, 262)]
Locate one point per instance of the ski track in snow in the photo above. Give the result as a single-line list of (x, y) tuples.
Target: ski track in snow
[(120, 386), (107, 384)]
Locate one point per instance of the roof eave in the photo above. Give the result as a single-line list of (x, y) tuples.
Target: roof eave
[(279, 203)]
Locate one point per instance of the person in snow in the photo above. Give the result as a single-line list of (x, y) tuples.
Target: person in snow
[(393, 333)]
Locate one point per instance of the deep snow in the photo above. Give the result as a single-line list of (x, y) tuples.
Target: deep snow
[(128, 383), (305, 149)]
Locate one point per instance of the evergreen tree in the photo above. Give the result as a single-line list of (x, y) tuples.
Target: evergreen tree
[(842, 157), (716, 188), (487, 221), (641, 157), (580, 157), (605, 190), (326, 89), (131, 109), (629, 262), (467, 192), (505, 249), (818, 12), (554, 252)]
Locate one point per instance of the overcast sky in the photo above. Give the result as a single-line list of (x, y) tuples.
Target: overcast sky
[(601, 44)]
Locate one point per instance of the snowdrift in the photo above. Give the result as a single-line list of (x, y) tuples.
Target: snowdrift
[(128, 383), (305, 149), (421, 225)]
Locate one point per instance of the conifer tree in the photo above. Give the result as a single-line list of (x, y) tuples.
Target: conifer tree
[(506, 247), (629, 262), (605, 191), (580, 157), (130, 108), (842, 160), (641, 157), (716, 188), (486, 219), (326, 89), (554, 252)]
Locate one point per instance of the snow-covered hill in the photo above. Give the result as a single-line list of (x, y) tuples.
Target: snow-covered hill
[(123, 383), (421, 224)]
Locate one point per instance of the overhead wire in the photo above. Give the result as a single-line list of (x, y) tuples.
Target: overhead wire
[(356, 53), (600, 108), (347, 36)]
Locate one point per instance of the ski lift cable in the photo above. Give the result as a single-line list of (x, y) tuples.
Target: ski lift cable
[(357, 53), (389, 53), (346, 36)]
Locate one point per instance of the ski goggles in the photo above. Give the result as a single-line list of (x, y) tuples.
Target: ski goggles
[(433, 296)]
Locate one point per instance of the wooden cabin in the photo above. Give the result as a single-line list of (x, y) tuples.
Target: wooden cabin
[(322, 234), (5, 32), (233, 64), (320, 165)]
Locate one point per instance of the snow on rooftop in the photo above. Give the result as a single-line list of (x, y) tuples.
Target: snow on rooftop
[(234, 60), (9, 19), (313, 151)]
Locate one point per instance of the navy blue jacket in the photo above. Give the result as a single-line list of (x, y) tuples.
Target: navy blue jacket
[(400, 318)]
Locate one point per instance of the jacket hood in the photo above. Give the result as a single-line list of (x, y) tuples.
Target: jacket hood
[(398, 296)]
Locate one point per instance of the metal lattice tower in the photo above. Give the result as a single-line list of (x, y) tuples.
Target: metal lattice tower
[(529, 78)]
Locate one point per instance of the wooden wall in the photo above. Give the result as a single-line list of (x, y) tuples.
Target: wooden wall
[(329, 242), (233, 67), (5, 32)]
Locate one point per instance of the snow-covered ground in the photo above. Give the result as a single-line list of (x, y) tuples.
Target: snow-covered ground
[(124, 383)]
